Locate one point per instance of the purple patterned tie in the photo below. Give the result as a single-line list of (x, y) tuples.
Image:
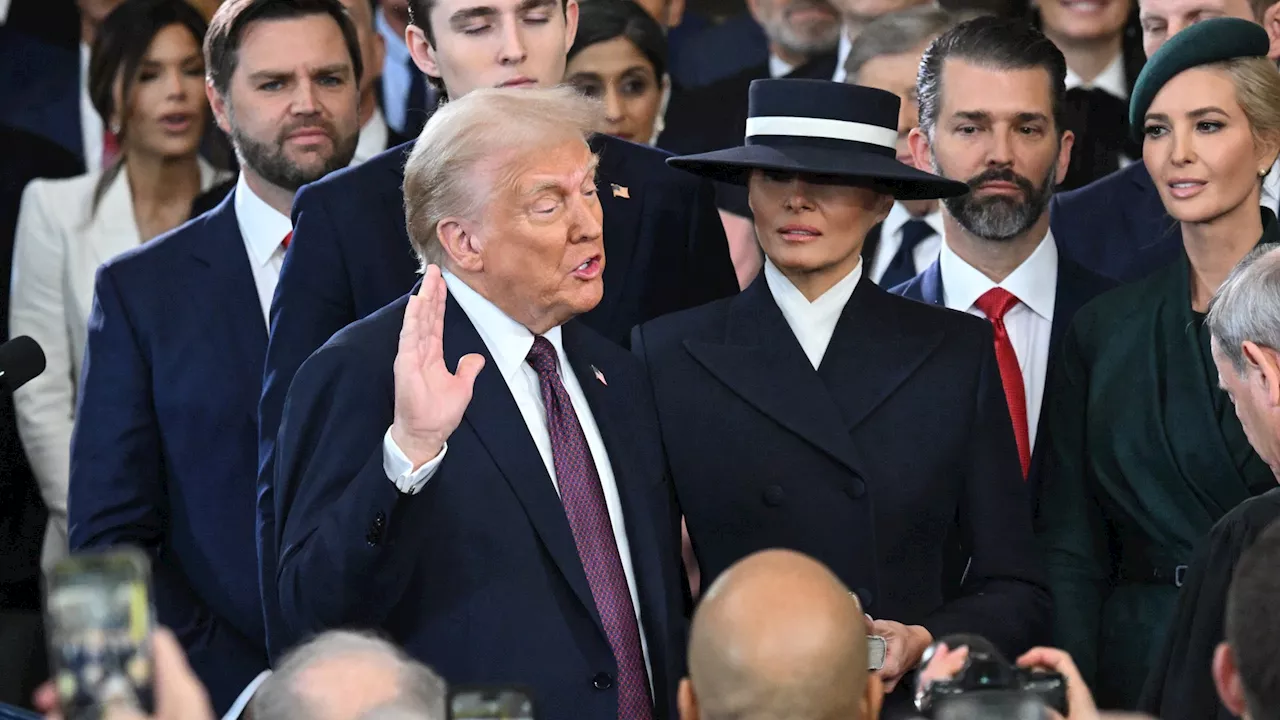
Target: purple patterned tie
[(593, 534)]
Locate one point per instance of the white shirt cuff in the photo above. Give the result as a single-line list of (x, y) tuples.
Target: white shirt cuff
[(400, 469)]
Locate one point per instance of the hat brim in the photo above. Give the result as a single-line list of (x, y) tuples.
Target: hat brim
[(903, 182)]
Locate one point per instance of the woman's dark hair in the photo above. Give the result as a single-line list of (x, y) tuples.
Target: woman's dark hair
[(603, 20), (118, 50)]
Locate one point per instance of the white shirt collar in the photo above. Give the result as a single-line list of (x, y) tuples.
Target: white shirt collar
[(1111, 80), (899, 216), (1271, 188), (842, 54), (262, 226), (508, 341), (812, 323), (373, 138), (779, 67), (1034, 282)]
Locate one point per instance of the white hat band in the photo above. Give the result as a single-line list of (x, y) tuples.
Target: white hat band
[(823, 128)]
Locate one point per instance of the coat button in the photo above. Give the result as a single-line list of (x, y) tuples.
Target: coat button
[(866, 598), (374, 536), (602, 681), (774, 496)]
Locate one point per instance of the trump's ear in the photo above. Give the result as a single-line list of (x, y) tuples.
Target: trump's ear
[(460, 244), (686, 703)]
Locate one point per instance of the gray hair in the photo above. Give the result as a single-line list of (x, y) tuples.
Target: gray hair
[(1247, 305), (900, 32), (460, 156), (422, 692)]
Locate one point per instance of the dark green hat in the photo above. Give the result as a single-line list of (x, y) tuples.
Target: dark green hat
[(1205, 42)]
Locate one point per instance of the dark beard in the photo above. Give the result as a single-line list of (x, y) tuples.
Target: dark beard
[(1001, 218), (269, 160)]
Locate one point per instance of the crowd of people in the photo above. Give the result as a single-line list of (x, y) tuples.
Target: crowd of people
[(835, 359)]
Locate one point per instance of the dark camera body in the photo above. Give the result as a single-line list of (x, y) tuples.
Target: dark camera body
[(984, 673)]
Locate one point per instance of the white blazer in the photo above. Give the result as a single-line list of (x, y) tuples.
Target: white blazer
[(58, 245)]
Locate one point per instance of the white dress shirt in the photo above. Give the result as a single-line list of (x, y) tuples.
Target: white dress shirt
[(90, 122), (396, 79), (1111, 80), (263, 230), (1029, 323), (842, 54), (924, 253), (1271, 189), (509, 344), (813, 323), (372, 139), (779, 67)]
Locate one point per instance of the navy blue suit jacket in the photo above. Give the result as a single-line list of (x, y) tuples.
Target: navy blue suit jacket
[(478, 574), (720, 51), (1076, 286), (864, 464), (40, 89), (1116, 226), (664, 246), (164, 454)]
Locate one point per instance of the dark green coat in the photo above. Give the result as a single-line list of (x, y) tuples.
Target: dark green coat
[(1147, 455)]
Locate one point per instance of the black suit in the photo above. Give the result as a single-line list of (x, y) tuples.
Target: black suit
[(477, 574), (664, 251), (1076, 286), (865, 464)]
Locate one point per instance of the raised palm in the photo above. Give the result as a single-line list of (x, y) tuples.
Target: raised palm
[(430, 400)]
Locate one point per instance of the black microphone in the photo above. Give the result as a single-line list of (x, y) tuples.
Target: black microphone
[(21, 359)]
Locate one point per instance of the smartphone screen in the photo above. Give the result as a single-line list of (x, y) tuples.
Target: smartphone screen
[(490, 704), (100, 620)]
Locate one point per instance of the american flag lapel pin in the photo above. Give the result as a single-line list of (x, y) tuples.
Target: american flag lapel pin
[(599, 375), (620, 191)]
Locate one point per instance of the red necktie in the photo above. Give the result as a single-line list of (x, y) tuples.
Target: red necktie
[(110, 147), (584, 505), (287, 239), (994, 304)]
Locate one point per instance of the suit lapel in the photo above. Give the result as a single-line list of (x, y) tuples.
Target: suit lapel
[(621, 202), (931, 290), (870, 354), (114, 229), (495, 419), (613, 421), (761, 360), (233, 294)]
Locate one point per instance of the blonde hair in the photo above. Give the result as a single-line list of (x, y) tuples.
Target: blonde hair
[(457, 161), (1257, 83)]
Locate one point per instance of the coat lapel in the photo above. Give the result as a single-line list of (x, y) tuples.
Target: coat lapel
[(233, 295), (495, 419), (613, 421), (114, 229), (621, 201), (761, 360), (871, 353)]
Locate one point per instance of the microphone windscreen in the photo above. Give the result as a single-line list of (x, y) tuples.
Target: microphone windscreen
[(21, 359)]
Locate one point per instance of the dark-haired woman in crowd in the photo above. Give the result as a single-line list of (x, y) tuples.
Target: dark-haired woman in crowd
[(620, 57), (146, 80), (1147, 451)]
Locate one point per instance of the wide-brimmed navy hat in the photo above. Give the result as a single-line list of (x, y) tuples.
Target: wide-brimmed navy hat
[(822, 128)]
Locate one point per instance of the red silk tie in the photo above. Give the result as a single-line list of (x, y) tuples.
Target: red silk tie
[(588, 515), (995, 303), (287, 239)]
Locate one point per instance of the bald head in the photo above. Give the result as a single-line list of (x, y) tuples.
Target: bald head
[(777, 636)]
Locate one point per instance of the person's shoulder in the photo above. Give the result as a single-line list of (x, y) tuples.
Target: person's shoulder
[(640, 162), (705, 322), (63, 190), (375, 336), (913, 315), (1104, 190), (1083, 280), (144, 266), (1246, 521), (386, 169)]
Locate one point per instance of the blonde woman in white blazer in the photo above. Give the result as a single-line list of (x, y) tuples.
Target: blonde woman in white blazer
[(67, 228)]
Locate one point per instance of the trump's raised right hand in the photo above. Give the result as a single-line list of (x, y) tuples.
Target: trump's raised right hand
[(430, 400)]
